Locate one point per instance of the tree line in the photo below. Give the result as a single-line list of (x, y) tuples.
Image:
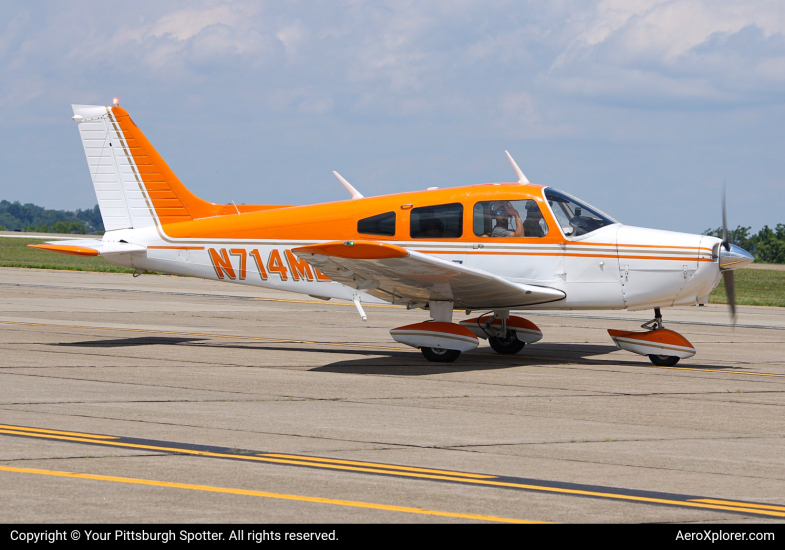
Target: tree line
[(767, 245), (29, 217)]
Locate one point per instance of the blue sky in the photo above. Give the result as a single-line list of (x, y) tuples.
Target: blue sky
[(641, 107)]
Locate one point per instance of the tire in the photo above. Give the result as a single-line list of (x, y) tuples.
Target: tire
[(506, 346), (664, 360), (439, 355)]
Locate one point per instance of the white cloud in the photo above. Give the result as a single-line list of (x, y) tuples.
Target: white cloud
[(413, 85), (661, 52), (186, 23), (292, 36)]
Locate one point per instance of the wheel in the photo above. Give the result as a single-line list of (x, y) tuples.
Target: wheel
[(439, 355), (664, 360), (506, 346)]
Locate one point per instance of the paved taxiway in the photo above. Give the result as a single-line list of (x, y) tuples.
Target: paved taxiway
[(164, 399)]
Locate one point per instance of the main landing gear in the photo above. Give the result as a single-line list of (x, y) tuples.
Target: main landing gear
[(507, 334), (508, 344), (442, 341), (440, 355), (663, 347)]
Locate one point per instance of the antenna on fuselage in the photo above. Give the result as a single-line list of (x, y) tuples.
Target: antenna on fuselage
[(521, 177), (349, 187), (227, 192)]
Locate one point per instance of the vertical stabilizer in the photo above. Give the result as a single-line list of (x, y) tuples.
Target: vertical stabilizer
[(134, 186)]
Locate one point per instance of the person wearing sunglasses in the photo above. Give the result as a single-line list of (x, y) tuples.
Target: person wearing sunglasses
[(501, 212)]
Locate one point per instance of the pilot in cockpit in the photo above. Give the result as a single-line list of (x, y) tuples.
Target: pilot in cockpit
[(532, 226)]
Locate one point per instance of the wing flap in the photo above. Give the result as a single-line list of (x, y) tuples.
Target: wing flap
[(398, 275)]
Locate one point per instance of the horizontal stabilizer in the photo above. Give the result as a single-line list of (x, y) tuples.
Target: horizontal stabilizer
[(400, 275), (88, 247)]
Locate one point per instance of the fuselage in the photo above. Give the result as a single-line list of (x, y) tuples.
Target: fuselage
[(597, 262)]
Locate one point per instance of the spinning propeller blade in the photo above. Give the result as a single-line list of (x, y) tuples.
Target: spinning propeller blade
[(727, 276)]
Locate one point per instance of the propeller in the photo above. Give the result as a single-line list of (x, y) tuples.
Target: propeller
[(727, 276)]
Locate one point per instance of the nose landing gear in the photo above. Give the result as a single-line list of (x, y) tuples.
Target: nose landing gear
[(663, 347)]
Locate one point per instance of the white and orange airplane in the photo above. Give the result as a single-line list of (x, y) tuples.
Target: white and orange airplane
[(488, 248)]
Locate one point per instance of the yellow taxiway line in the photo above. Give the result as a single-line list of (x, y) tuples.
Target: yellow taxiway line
[(265, 494), (402, 471)]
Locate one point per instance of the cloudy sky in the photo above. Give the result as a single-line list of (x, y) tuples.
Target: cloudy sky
[(641, 107)]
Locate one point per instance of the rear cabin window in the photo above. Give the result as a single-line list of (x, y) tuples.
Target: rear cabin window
[(381, 224), (443, 221), (521, 218)]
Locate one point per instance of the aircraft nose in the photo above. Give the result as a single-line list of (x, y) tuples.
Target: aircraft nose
[(734, 258)]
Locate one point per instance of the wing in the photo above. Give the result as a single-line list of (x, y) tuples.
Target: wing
[(398, 275)]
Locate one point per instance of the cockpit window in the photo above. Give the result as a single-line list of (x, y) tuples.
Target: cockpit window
[(513, 218), (443, 221), (575, 217)]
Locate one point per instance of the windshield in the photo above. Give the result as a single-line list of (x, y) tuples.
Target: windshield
[(575, 217)]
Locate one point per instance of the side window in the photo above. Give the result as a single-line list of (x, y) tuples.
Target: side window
[(444, 221), (382, 224), (516, 218)]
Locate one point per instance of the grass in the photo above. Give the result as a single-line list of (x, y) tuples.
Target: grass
[(14, 252), (754, 287)]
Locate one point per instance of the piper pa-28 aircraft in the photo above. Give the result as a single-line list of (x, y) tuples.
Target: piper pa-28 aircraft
[(488, 248)]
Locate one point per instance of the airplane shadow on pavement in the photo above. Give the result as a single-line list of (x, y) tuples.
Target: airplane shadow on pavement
[(411, 362), (130, 342)]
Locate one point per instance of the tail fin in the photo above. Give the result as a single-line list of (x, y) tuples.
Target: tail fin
[(134, 186)]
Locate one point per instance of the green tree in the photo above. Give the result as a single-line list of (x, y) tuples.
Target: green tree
[(69, 227), (739, 236), (16, 217), (770, 245), (43, 228)]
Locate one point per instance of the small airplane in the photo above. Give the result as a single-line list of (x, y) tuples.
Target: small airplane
[(488, 248)]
